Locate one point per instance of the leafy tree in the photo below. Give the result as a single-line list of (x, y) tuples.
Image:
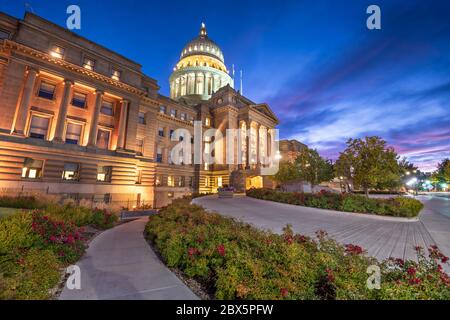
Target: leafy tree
[(312, 167), (442, 174), (287, 172), (370, 164)]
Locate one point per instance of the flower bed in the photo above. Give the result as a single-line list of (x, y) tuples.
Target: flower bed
[(397, 207), (36, 245), (233, 260)]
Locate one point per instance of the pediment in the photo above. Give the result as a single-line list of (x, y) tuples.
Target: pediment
[(265, 109)]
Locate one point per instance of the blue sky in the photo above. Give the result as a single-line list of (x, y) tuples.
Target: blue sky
[(320, 69)]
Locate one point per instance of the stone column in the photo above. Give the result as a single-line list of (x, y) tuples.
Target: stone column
[(257, 144), (248, 139), (24, 106), (122, 124), (213, 82), (94, 118), (195, 84), (205, 89), (64, 105), (187, 84)]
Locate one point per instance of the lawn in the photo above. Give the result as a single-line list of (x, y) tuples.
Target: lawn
[(8, 211)]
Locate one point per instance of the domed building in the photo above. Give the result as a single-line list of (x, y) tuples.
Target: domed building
[(200, 72)]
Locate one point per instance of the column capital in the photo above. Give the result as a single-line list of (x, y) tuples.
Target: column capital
[(99, 91), (125, 102), (68, 82), (31, 69)]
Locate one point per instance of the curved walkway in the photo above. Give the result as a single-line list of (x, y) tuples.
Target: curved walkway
[(119, 264), (381, 238)]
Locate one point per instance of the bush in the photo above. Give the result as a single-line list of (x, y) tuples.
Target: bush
[(398, 206), (236, 261), (16, 232), (21, 202)]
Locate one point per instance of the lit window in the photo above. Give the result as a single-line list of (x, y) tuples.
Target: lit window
[(158, 180), (139, 177), (115, 74), (170, 181), (73, 133), (170, 194), (104, 173), (206, 181), (207, 122), (57, 52), (32, 169), (88, 64), (159, 156), (103, 138), (39, 127), (107, 108), (71, 171), (161, 132), (219, 182), (173, 113), (183, 116), (46, 90), (181, 182), (162, 109), (140, 146), (206, 166), (141, 119), (79, 100)]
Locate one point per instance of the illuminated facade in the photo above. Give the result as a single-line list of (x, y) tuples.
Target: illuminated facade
[(84, 121)]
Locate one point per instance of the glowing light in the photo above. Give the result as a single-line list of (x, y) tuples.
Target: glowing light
[(412, 181), (408, 173)]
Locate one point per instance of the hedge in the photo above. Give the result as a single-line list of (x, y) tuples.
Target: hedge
[(397, 207), (233, 260)]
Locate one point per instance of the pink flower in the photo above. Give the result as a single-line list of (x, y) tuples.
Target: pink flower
[(284, 292), (411, 271), (221, 250), (192, 251)]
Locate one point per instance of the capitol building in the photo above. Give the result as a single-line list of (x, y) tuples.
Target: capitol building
[(85, 122)]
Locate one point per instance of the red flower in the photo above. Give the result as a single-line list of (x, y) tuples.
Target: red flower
[(221, 250), (284, 292), (192, 251), (411, 271), (330, 276), (353, 249), (53, 239), (288, 238)]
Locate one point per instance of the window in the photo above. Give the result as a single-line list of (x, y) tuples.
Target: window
[(107, 108), (39, 127), (170, 194), (183, 116), (79, 100), (71, 171), (140, 146), (141, 118), (159, 156), (173, 113), (206, 181), (57, 52), (115, 74), (139, 177), (181, 181), (206, 166), (73, 133), (207, 122), (161, 132), (191, 182), (219, 182), (103, 138), (171, 133), (4, 34), (46, 90), (104, 173), (162, 109), (88, 63), (170, 181), (158, 180), (32, 169)]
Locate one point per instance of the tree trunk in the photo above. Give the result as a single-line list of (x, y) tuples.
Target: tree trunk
[(366, 191)]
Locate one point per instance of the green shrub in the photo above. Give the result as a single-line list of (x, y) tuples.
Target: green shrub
[(16, 232), (236, 261), (399, 206), (21, 202)]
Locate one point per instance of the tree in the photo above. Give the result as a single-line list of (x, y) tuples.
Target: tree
[(370, 164), (312, 167), (442, 174), (287, 172)]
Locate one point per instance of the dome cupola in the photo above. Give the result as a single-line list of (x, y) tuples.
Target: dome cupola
[(201, 70)]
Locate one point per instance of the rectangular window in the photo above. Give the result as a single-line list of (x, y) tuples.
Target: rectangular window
[(141, 118), (219, 182), (206, 181), (158, 180), (4, 34), (107, 108), (207, 122), (173, 113), (191, 182), (115, 74), (103, 138), (140, 146), (159, 156), (162, 109), (161, 132), (32, 169), (39, 127), (181, 182), (139, 177), (71, 171), (73, 133), (46, 90), (170, 181), (170, 194), (183, 116), (57, 52), (104, 173), (79, 100), (171, 133), (89, 63)]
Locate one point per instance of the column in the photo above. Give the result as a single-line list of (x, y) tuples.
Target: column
[(122, 124), (64, 105), (94, 118), (19, 126), (212, 84), (187, 84), (195, 84), (257, 144), (248, 135), (204, 85)]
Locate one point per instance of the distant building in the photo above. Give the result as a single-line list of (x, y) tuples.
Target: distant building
[(289, 149)]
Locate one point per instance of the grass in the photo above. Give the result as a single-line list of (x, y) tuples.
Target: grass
[(8, 211)]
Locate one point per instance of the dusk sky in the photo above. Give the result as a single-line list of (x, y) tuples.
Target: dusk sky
[(326, 76)]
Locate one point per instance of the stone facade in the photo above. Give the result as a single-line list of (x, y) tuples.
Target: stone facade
[(81, 120)]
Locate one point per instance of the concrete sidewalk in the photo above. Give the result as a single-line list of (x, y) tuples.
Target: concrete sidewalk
[(119, 264)]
